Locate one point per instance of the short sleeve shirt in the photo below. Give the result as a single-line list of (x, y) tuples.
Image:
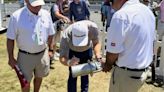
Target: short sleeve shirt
[(131, 35), (23, 25)]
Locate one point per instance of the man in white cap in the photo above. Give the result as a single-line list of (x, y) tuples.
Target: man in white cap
[(77, 43), (32, 29), (129, 45)]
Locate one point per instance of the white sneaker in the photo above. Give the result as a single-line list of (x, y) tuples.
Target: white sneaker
[(56, 56)]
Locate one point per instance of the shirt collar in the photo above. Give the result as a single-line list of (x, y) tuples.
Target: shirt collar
[(130, 2)]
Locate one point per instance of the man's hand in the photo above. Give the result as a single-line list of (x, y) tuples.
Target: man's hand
[(101, 60), (73, 61), (12, 62), (66, 20), (50, 53), (106, 67)]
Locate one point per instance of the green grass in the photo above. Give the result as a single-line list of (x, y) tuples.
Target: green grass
[(57, 79)]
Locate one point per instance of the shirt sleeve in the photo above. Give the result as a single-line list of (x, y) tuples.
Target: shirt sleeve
[(116, 35), (56, 8), (12, 28)]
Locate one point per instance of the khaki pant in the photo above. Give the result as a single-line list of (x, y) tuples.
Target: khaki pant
[(37, 65), (126, 81)]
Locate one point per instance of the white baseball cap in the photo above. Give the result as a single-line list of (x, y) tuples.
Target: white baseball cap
[(36, 2), (79, 34)]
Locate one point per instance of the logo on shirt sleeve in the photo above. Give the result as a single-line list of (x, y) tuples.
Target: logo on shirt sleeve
[(113, 44)]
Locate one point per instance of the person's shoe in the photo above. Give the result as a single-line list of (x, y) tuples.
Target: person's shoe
[(56, 56), (51, 67)]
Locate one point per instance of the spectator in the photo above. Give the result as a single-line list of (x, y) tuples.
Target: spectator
[(129, 45), (107, 12), (79, 11), (33, 55), (59, 11)]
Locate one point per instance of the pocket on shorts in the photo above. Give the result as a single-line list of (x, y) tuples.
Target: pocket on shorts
[(45, 62), (45, 59)]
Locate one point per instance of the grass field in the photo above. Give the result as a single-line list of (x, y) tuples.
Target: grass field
[(57, 79)]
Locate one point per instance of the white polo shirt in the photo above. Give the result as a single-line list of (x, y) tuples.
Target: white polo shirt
[(131, 34), (23, 28)]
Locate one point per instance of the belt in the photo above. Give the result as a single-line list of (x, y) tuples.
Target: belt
[(25, 52), (136, 70)]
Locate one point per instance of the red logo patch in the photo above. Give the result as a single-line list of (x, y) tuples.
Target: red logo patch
[(113, 44)]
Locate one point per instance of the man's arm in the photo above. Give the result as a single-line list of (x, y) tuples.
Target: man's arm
[(60, 16), (94, 35), (10, 50), (97, 48), (111, 58), (50, 45)]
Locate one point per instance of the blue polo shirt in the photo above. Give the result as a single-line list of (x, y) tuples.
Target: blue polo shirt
[(79, 11)]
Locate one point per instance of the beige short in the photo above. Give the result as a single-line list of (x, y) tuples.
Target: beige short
[(37, 65), (126, 81)]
